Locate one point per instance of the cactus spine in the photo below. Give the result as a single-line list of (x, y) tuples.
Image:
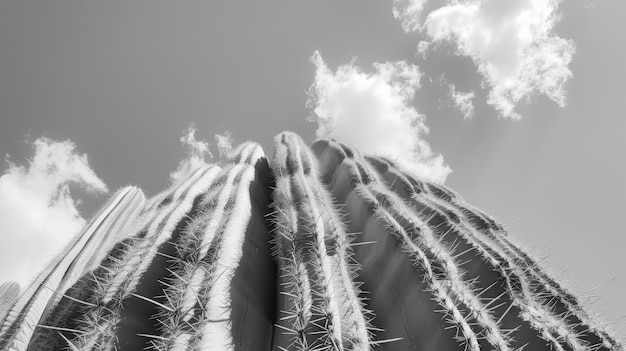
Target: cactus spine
[(319, 249)]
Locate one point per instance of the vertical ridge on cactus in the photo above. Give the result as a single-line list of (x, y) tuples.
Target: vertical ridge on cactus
[(318, 248), (320, 306)]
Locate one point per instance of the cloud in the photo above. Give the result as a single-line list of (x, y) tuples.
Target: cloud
[(38, 215), (224, 143), (409, 12), (373, 113), (511, 43), (462, 101), (198, 154)]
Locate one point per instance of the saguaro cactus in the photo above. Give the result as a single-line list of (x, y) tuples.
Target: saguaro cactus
[(318, 249)]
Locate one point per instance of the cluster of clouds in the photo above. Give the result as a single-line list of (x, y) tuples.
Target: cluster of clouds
[(374, 113), (463, 101), (224, 143), (38, 214), (511, 43), (198, 152)]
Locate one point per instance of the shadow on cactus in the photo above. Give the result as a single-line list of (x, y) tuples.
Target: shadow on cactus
[(317, 248)]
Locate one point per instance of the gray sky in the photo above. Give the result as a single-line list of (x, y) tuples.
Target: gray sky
[(123, 80)]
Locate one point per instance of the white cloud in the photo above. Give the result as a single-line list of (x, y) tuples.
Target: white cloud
[(198, 154), (373, 113), (462, 101), (224, 143), (511, 43), (38, 215), (409, 12), (422, 48)]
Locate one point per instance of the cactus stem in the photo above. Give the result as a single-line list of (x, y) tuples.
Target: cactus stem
[(321, 249)]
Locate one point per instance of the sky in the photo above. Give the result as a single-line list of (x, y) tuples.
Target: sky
[(514, 104)]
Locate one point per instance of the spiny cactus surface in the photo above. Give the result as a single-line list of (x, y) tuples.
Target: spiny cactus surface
[(318, 248)]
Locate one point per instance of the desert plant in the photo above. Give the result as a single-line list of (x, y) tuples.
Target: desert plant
[(80, 256), (9, 292), (319, 249)]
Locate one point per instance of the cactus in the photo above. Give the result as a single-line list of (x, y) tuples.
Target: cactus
[(319, 248), (9, 292)]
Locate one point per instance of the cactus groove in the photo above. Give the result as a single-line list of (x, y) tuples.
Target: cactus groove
[(316, 248)]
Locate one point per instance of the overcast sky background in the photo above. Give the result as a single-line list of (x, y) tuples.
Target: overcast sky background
[(124, 80)]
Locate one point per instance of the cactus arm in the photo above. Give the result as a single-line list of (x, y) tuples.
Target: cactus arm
[(9, 293), (50, 285)]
